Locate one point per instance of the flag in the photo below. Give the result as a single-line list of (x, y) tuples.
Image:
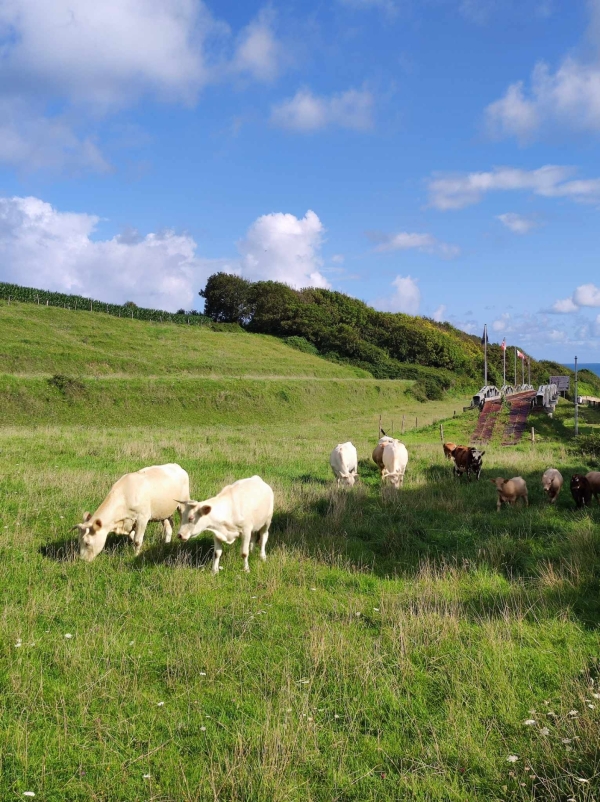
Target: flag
[(520, 354), (484, 339), (503, 346)]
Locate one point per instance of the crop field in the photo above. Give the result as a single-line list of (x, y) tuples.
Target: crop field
[(413, 645)]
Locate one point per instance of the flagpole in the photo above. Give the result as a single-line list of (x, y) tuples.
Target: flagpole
[(523, 369), (529, 369), (504, 355), (515, 366), (485, 351)]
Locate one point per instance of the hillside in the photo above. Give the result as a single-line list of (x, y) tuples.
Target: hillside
[(46, 340), (393, 346)]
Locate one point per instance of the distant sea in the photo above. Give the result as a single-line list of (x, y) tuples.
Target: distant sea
[(593, 366)]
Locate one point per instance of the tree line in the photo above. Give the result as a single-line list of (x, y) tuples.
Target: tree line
[(344, 329)]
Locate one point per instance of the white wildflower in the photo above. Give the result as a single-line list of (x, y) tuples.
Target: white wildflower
[(573, 713), (202, 729), (376, 609), (202, 673), (596, 695), (591, 707), (512, 758), (566, 740), (529, 722), (28, 793), (336, 716), (582, 780), (146, 776), (68, 636), (544, 731), (160, 704)]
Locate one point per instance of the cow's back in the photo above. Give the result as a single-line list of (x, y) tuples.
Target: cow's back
[(246, 502), (395, 457), (154, 491)]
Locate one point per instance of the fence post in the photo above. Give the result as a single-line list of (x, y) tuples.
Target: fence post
[(47, 301), (532, 434), (91, 310), (402, 430), (9, 300), (442, 432), (416, 423)]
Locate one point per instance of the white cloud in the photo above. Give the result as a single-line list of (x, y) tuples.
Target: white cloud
[(307, 112), (564, 307), (43, 247), (258, 52), (587, 295), (30, 141), (281, 247), (584, 295), (459, 190), (439, 313), (406, 298), (517, 223), (568, 97), (502, 323), (92, 58), (405, 241)]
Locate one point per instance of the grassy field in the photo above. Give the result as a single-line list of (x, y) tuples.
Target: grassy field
[(392, 647)]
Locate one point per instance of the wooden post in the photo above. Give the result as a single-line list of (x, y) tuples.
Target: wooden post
[(416, 423), (91, 307), (442, 432), (9, 300), (454, 414), (46, 301), (532, 434), (403, 424)]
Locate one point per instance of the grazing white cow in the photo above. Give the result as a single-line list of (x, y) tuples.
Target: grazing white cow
[(378, 451), (239, 510), (132, 502), (344, 464), (395, 460)]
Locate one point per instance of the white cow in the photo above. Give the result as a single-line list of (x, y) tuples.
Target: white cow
[(344, 464), (241, 509), (135, 499), (395, 460)]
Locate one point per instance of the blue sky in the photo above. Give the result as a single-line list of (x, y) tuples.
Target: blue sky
[(437, 157)]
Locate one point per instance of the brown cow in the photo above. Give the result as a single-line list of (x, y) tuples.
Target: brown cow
[(449, 449), (581, 490), (469, 460), (593, 478)]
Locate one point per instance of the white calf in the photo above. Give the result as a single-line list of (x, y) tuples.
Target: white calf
[(395, 460)]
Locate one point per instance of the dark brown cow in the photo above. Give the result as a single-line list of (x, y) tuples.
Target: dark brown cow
[(581, 490), (467, 460)]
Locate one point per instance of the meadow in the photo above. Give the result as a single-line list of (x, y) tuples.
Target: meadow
[(413, 645)]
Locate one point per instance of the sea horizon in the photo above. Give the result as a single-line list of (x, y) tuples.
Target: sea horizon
[(593, 366)]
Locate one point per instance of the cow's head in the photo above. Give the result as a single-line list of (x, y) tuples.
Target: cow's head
[(391, 478), (348, 479), (499, 482), (578, 482), (194, 518), (477, 461), (92, 537)]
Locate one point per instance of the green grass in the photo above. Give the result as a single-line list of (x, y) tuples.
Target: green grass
[(38, 339), (391, 647)]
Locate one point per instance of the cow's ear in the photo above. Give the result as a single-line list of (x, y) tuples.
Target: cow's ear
[(493, 481), (205, 509), (482, 453), (87, 516), (97, 524)]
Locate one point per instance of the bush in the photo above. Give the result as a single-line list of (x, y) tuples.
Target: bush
[(67, 386), (588, 447), (301, 344)]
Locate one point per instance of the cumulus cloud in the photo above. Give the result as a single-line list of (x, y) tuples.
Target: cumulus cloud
[(281, 247), (517, 223), (405, 241), (43, 247), (563, 307), (306, 112), (439, 313), (502, 323), (568, 97), (93, 58), (258, 51), (405, 298), (587, 295), (584, 295), (456, 191)]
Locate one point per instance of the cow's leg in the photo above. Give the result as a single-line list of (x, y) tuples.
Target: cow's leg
[(140, 531), (498, 505), (168, 529), (246, 538), (264, 536), (526, 500), (217, 551)]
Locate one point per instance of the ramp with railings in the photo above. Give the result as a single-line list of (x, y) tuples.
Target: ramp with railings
[(488, 417), (520, 406)]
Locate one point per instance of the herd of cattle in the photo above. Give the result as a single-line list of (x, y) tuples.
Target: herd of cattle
[(244, 509)]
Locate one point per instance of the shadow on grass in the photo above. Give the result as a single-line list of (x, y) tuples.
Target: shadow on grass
[(196, 553), (68, 550)]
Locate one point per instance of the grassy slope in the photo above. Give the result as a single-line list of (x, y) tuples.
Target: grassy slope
[(391, 647), (37, 339)]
